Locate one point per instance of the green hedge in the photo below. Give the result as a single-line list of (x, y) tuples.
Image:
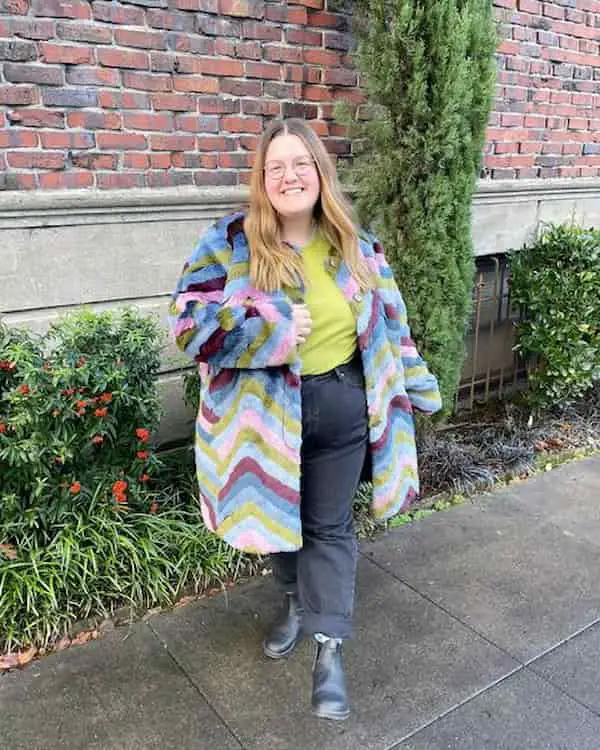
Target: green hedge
[(556, 280)]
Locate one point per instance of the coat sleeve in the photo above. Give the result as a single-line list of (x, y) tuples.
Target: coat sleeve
[(421, 385), (248, 330)]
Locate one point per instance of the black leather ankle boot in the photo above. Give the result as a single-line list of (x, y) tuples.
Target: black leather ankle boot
[(282, 640), (329, 697)]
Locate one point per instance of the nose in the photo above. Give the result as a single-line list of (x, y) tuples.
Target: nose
[(289, 172)]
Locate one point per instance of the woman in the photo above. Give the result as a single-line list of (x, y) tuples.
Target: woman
[(308, 375)]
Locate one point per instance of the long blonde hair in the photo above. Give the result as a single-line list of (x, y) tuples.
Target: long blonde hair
[(274, 264)]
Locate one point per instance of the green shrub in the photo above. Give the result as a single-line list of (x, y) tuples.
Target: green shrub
[(556, 280), (90, 519)]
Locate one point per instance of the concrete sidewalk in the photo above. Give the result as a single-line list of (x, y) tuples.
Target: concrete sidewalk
[(477, 628)]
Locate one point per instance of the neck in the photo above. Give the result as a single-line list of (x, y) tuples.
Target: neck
[(297, 230)]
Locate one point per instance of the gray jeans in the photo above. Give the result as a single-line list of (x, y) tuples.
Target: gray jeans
[(334, 447)]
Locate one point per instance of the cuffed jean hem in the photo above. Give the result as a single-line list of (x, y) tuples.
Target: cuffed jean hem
[(335, 626)]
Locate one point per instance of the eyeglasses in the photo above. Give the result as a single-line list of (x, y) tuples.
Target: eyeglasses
[(301, 165)]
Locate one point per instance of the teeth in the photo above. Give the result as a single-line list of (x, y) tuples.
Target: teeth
[(292, 190)]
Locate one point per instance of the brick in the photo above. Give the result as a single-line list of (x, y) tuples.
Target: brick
[(173, 102), (32, 29), (80, 97), (147, 81), (133, 160), (14, 7), (94, 120), (26, 73), (339, 77), (14, 138), (281, 13), (240, 88), (277, 53), (315, 4), (37, 118), (304, 37), (249, 50), (552, 11), (217, 105), (195, 124), (317, 94), (121, 141), (348, 95), (90, 160), (242, 8), (172, 178), (530, 6), (120, 180), (253, 30), (148, 121), (66, 54), (164, 62), (534, 121), (161, 19), (225, 47), (55, 139), (217, 26), (196, 84), (577, 123), (214, 177), (172, 142), (260, 107), (84, 76), (181, 42), (206, 6), (149, 3), (302, 74), (82, 32), (248, 142), (123, 100), (241, 124), (263, 70), (160, 161), (194, 161), (118, 14), (14, 181), (338, 146), (215, 143), (17, 51), (326, 20), (322, 57), (142, 39), (61, 8), (299, 109), (36, 159), (212, 67), (234, 160), (120, 58), (68, 179), (283, 90), (19, 95)]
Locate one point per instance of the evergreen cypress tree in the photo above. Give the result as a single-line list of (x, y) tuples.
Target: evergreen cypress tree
[(429, 68)]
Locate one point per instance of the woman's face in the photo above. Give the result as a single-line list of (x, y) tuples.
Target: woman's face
[(291, 177)]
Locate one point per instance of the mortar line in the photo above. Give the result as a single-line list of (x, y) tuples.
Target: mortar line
[(196, 687)]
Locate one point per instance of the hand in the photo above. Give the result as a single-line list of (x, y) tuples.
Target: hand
[(302, 322)]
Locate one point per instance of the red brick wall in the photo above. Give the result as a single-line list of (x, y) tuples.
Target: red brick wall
[(96, 93)]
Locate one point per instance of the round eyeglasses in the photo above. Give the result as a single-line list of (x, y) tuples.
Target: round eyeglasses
[(301, 165)]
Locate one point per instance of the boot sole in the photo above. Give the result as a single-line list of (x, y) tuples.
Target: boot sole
[(331, 716), (279, 654)]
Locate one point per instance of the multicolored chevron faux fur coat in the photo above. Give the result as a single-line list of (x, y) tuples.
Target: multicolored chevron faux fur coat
[(248, 431)]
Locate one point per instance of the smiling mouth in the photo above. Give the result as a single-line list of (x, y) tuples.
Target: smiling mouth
[(293, 191)]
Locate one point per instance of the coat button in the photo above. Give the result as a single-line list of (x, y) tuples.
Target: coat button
[(332, 262), (357, 297)]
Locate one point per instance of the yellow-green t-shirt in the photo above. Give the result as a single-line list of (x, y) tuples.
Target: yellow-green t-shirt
[(332, 340)]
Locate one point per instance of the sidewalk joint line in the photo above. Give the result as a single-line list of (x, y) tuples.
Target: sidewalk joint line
[(468, 699), (196, 687)]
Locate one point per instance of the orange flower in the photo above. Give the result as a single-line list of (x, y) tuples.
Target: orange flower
[(81, 404), (81, 412), (119, 487), (101, 412), (68, 392), (142, 455), (8, 366), (2, 427), (143, 434), (97, 440), (154, 507), (144, 478), (24, 389), (106, 398), (81, 362), (75, 488)]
